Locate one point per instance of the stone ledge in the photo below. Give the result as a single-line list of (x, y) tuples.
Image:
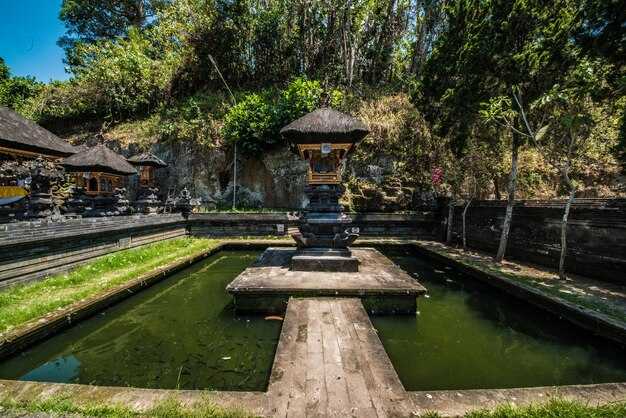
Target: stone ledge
[(456, 403), (585, 318)]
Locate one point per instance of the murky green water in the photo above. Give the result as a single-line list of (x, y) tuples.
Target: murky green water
[(180, 333), (470, 336)]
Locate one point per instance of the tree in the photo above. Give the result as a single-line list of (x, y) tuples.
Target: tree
[(563, 110), (602, 35), (89, 21), (17, 92)]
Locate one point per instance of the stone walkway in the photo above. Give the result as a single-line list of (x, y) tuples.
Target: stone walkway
[(330, 362)]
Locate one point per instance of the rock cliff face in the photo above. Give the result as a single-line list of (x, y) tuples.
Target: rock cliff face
[(274, 180)]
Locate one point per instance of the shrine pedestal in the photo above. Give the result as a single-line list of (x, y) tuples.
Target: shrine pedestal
[(324, 259), (267, 285)]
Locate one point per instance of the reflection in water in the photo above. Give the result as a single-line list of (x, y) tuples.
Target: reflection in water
[(61, 370), (180, 333), (469, 336)]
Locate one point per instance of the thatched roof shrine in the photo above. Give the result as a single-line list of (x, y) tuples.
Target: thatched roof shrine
[(147, 159), (324, 125), (99, 159), (21, 134)]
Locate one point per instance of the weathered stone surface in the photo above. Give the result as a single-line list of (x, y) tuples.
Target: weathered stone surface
[(324, 259), (271, 279), (330, 362), (596, 234)]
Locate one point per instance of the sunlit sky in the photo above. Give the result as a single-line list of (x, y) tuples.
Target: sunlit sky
[(29, 30)]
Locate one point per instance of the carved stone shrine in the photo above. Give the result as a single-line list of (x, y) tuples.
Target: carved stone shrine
[(324, 137)]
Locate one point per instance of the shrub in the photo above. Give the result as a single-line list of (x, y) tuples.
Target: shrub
[(255, 123)]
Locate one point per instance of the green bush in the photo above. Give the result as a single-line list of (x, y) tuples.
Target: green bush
[(255, 122), (249, 123), (196, 118)]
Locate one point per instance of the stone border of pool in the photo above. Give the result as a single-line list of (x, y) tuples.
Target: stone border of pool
[(40, 328), (447, 403), (581, 316)]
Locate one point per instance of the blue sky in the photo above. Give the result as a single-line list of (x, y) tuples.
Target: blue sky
[(29, 30)]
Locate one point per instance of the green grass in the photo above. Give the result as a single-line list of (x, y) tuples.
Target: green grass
[(593, 304), (172, 407), (169, 407), (21, 304), (530, 281), (555, 408)]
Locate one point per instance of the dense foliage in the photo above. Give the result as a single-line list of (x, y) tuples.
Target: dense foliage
[(254, 123), (157, 60), (16, 92)]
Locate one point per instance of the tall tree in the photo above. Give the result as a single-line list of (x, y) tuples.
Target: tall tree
[(88, 21)]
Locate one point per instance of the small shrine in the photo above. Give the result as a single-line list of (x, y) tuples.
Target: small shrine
[(99, 189), (28, 169), (147, 198), (324, 137)]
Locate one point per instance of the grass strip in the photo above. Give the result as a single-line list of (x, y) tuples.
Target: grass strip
[(169, 407), (23, 303), (554, 408), (596, 305)]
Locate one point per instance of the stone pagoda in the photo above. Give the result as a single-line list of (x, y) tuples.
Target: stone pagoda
[(147, 196), (324, 137)]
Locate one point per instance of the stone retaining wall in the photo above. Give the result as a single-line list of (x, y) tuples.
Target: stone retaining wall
[(596, 234), (395, 225), (241, 224), (34, 250)]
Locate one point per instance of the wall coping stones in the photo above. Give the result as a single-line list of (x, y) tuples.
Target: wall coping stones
[(579, 203), (37, 231)]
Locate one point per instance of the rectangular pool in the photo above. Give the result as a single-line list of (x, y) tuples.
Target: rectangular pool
[(181, 333), (468, 335)]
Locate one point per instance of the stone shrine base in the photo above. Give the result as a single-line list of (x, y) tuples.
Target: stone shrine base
[(324, 260), (382, 286)]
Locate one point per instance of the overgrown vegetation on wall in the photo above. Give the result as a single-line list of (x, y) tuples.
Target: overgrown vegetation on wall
[(418, 73)]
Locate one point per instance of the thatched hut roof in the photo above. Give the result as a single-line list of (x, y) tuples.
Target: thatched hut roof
[(22, 134), (324, 125), (147, 158), (98, 158)]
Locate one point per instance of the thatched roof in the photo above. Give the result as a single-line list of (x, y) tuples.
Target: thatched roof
[(324, 125), (98, 158), (147, 158), (20, 133)]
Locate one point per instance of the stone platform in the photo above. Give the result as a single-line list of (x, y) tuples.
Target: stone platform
[(382, 286), (324, 260)]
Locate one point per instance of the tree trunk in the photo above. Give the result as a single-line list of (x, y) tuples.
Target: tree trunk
[(496, 188), (508, 216), (450, 215), (564, 229), (469, 201)]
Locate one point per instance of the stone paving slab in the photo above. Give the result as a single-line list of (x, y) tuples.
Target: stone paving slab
[(272, 273), (330, 362), (270, 281)]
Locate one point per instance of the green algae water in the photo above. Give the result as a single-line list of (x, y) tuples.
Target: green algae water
[(180, 333), (470, 336)]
